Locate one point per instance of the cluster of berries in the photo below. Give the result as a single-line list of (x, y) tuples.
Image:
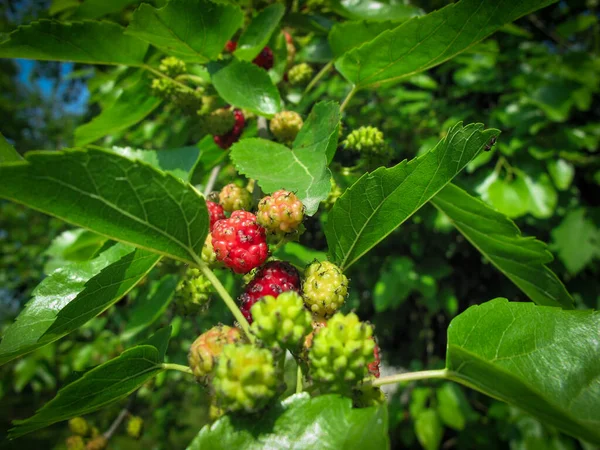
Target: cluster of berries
[(189, 100), (87, 437), (286, 312), (226, 125)]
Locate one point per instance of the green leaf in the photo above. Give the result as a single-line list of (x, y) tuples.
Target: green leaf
[(122, 199), (299, 255), (424, 42), (576, 241), (542, 196), (374, 10), (544, 360), (101, 386), (247, 86), (94, 9), (102, 292), (321, 130), (133, 105), (510, 198), (72, 245), (429, 429), (7, 151), (302, 170), (148, 310), (562, 173), (192, 30), (522, 260), (275, 166), (87, 42), (72, 295), (178, 162), (453, 407), (382, 200), (328, 421), (345, 36), (258, 33), (395, 284)]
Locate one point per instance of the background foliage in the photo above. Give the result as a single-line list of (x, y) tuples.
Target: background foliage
[(537, 80)]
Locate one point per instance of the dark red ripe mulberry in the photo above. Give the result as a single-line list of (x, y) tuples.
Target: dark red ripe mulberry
[(264, 59), (227, 140), (230, 46), (239, 242), (215, 212), (273, 278)]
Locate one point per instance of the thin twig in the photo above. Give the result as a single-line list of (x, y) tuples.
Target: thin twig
[(318, 77), (299, 379), (124, 412), (263, 129), (214, 174), (347, 99)]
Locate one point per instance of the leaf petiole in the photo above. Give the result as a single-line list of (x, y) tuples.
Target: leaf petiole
[(410, 376)]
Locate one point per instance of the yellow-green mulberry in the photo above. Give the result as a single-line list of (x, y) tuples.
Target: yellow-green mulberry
[(219, 122), (193, 292), (134, 426), (75, 443), (281, 321), (233, 198), (285, 126), (207, 348), (300, 74), (172, 66), (340, 352), (325, 288), (78, 425), (245, 378)]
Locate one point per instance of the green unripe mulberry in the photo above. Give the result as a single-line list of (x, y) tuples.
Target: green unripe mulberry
[(207, 349), (219, 122), (366, 140), (172, 66), (300, 74), (78, 425), (193, 292), (325, 288), (281, 321), (162, 88), (245, 378), (340, 352), (134, 426), (285, 126)]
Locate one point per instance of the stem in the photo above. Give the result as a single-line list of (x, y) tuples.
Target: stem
[(263, 128), (193, 78), (410, 376), (214, 174), (179, 367), (160, 74), (318, 76), (347, 99), (113, 427), (227, 299), (299, 379)]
